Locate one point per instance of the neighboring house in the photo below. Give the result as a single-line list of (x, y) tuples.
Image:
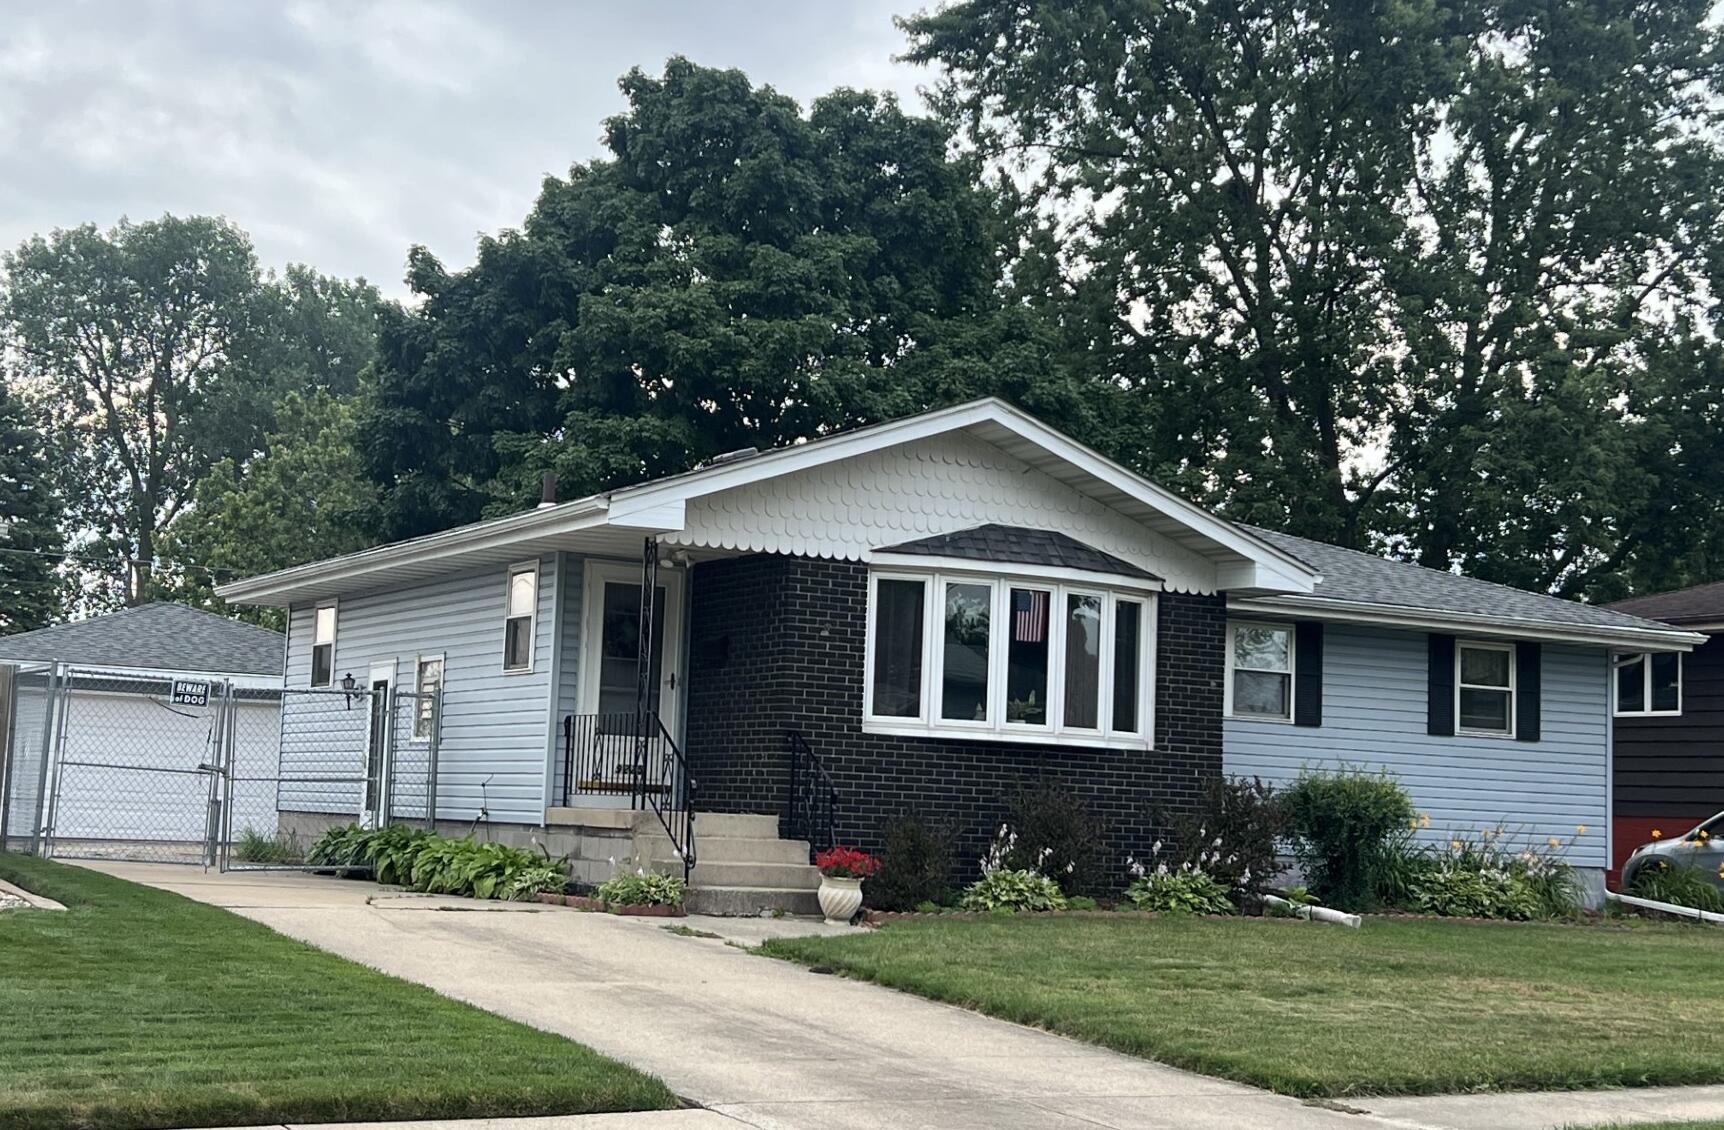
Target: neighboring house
[(126, 754), (1670, 722), (922, 616)]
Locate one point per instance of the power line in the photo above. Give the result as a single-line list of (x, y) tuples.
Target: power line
[(68, 555)]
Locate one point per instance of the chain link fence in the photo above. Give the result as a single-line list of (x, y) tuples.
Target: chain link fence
[(135, 766)]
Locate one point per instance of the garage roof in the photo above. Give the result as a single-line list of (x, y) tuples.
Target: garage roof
[(160, 636)]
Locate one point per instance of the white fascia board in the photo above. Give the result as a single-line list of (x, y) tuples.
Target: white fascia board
[(929, 563), (659, 516), (272, 588), (1260, 576), (1283, 571), (1504, 627)]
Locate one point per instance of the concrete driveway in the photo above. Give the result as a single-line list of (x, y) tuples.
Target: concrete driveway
[(769, 1044)]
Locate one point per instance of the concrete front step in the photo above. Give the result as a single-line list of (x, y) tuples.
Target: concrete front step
[(732, 849), (731, 824), (740, 902), (779, 876)]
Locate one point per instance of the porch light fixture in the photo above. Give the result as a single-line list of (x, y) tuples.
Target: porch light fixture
[(347, 688)]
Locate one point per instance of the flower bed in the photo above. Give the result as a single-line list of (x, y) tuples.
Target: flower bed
[(631, 910)]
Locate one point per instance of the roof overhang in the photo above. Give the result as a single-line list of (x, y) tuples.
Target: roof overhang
[(1627, 637), (614, 523)]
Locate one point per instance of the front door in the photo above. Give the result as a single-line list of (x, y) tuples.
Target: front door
[(606, 754), (371, 813)]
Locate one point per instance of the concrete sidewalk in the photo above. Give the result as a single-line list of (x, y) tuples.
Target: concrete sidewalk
[(768, 1044)]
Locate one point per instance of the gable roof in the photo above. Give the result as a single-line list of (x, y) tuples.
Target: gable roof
[(614, 522), (160, 636), (1367, 581), (1014, 544), (1697, 605)]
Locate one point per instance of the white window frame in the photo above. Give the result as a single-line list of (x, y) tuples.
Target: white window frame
[(929, 723), (1233, 627), (1644, 658), (1513, 689), (531, 617), (334, 634), (419, 662)]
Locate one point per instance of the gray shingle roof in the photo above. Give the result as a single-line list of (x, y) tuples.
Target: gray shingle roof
[(1368, 579), (1702, 604), (1022, 547), (167, 637)]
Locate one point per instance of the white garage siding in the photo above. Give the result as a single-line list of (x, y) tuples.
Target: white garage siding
[(1374, 716), (494, 742), (128, 767)]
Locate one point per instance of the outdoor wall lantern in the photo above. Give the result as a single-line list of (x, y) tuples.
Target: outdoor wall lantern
[(347, 686)]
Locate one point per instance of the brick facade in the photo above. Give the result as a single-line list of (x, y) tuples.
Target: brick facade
[(776, 642)]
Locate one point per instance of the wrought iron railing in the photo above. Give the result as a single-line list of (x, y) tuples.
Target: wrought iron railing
[(631, 755), (813, 812)]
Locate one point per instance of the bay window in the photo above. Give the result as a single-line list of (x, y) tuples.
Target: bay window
[(1009, 659)]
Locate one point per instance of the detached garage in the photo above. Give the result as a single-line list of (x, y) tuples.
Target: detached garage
[(115, 727)]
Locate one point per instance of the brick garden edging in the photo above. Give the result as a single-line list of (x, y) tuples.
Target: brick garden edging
[(587, 902)]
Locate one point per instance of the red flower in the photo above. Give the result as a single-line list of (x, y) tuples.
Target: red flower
[(846, 863)]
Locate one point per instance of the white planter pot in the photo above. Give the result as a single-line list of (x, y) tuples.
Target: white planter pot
[(840, 899)]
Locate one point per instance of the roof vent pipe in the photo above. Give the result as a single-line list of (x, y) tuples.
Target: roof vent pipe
[(548, 489)]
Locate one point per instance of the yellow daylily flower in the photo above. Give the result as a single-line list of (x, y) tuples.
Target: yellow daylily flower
[(1580, 829), (1657, 835)]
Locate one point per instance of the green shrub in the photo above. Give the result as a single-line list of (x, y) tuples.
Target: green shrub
[(1478, 876), (916, 868), (424, 861), (1247, 816), (1057, 835), (1183, 891), (257, 847), (1340, 822), (1006, 888), (1683, 886), (1397, 868), (643, 888)]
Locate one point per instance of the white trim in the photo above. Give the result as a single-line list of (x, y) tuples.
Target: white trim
[(553, 706), (1619, 660), (885, 559), (442, 660), (531, 617), (334, 606), (1233, 627), (1513, 691), (1474, 624), (380, 671), (997, 727)]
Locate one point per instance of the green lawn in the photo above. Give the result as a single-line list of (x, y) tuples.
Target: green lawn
[(138, 1008), (1396, 1007)]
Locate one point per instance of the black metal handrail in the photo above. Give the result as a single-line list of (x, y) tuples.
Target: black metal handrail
[(813, 803), (628, 754)]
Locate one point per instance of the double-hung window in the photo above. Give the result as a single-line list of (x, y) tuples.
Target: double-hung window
[(1649, 683), (522, 604), (1484, 688), (427, 683), (323, 645), (1260, 671), (1009, 658)]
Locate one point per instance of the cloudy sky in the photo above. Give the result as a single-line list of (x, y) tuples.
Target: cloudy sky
[(339, 132)]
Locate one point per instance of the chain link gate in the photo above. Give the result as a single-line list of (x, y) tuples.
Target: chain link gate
[(104, 764)]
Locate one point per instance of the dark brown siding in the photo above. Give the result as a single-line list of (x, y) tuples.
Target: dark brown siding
[(1674, 766)]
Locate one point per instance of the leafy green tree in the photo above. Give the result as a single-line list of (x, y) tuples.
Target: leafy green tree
[(297, 500), (734, 273), (1380, 274), (30, 540), (130, 335)]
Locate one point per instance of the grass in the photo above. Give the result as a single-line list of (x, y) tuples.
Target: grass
[(138, 1008), (1396, 1007)]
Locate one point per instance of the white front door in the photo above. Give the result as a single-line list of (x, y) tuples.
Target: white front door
[(605, 751)]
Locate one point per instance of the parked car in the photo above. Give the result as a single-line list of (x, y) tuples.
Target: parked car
[(1701, 846)]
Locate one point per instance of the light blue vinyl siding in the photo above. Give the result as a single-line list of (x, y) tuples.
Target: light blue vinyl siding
[(1374, 703), (493, 735)]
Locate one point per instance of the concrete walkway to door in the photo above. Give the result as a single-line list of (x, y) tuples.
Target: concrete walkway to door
[(769, 1044)]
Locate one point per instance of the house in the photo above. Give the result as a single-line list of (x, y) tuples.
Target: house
[(919, 616), (108, 720), (1669, 722)]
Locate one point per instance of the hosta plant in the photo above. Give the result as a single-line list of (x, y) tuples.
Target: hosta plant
[(642, 888), (1003, 887), (1178, 892)]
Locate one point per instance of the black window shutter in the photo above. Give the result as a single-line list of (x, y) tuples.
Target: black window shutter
[(1308, 674), (1528, 699), (1440, 707)]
